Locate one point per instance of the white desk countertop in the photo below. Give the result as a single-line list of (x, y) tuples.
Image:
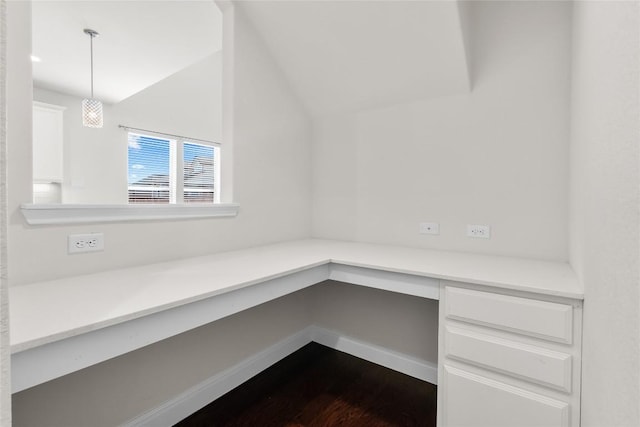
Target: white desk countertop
[(50, 311)]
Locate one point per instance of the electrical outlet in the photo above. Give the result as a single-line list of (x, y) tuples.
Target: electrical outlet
[(429, 228), (90, 242), (479, 231)]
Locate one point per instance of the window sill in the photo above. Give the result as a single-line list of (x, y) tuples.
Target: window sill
[(44, 214)]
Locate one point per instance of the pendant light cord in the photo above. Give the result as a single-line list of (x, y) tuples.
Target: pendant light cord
[(91, 33), (91, 65)]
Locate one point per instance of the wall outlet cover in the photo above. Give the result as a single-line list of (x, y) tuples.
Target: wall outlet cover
[(429, 228), (90, 242), (479, 231)]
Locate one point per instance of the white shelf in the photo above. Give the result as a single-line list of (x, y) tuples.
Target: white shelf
[(46, 214)]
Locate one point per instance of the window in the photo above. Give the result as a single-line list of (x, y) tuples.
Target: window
[(148, 169), (199, 164), (165, 170)]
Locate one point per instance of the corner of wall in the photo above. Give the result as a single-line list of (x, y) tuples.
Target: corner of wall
[(605, 206), (5, 354)]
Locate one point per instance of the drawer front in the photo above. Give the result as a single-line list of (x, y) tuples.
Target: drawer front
[(539, 365), (541, 319), (473, 400)]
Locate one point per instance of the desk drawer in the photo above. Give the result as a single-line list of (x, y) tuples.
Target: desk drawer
[(476, 401), (540, 319), (539, 365)]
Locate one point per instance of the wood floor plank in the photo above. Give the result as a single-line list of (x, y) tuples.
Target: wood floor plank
[(321, 387)]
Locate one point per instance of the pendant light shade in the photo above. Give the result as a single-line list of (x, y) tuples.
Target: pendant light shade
[(92, 113), (92, 108)]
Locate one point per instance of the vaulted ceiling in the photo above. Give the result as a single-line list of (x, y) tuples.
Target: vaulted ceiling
[(140, 43), (349, 55), (338, 55)]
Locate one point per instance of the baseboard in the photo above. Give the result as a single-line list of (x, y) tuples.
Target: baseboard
[(202, 394), (209, 390), (412, 366)]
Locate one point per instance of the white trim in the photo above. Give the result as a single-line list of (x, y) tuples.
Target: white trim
[(217, 188), (50, 107), (79, 214), (410, 284), (409, 365), (200, 395), (169, 136)]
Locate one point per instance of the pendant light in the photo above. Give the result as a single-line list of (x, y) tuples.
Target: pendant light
[(91, 108)]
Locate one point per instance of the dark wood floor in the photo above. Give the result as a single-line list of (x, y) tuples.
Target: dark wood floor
[(318, 386)]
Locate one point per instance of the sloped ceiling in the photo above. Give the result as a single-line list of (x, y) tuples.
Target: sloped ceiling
[(349, 55), (140, 43)]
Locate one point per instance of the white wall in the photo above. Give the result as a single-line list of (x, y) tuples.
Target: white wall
[(605, 206), (94, 160), (402, 323), (187, 103), (5, 356), (496, 156), (271, 160)]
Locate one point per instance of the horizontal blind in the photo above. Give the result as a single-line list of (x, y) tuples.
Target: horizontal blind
[(148, 169), (198, 173)]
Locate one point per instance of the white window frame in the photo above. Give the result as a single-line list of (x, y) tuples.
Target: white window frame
[(176, 166), (216, 169), (49, 214)]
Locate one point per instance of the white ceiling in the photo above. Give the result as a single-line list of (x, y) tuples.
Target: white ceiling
[(140, 43), (348, 55), (338, 55)]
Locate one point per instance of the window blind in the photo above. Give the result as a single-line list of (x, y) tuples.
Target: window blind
[(198, 173), (148, 169), (166, 170)]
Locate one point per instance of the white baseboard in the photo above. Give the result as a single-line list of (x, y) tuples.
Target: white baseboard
[(400, 362), (195, 398), (204, 393)]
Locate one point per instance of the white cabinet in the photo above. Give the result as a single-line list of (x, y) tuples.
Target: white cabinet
[(47, 143), (508, 359), (476, 400)]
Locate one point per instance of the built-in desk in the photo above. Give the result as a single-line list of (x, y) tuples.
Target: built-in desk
[(62, 326)]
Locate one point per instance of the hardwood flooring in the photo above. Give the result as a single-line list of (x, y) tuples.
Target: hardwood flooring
[(321, 387)]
